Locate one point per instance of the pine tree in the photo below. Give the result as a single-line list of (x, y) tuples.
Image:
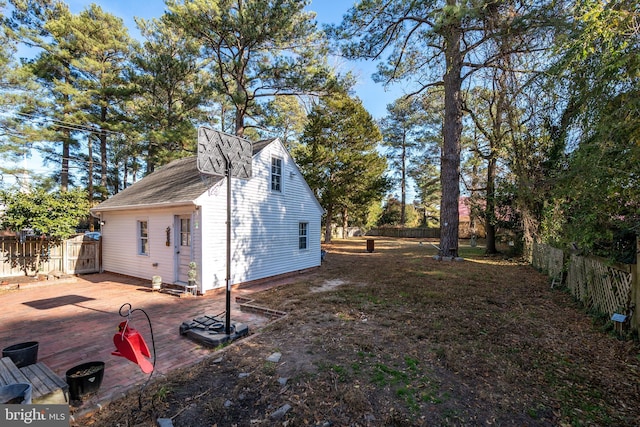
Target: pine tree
[(435, 43), (339, 159), (172, 91), (258, 48)]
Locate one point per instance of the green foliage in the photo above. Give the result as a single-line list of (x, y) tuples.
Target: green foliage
[(193, 271), (338, 157), (392, 214), (427, 178), (286, 117), (595, 202), (55, 215), (405, 131), (172, 90), (258, 48), (80, 68)]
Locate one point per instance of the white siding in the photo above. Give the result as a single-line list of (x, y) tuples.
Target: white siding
[(265, 228), (120, 243), (264, 224)]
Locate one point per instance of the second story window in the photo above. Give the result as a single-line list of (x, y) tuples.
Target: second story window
[(276, 174)]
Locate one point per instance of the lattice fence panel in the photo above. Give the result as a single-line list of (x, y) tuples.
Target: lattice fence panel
[(603, 287)]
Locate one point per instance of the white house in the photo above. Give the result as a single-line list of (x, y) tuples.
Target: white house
[(175, 215)]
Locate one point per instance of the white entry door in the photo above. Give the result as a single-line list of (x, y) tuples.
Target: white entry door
[(183, 247)]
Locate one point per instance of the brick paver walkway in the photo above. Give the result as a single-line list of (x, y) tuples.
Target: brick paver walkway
[(74, 322)]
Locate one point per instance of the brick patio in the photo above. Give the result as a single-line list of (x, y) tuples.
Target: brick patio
[(74, 322)]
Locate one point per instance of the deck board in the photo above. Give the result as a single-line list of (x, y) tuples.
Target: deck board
[(47, 386)]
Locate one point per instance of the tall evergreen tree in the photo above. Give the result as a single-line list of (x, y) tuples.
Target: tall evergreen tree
[(104, 47), (17, 90), (285, 117), (339, 160), (402, 133), (172, 91), (434, 43), (258, 48), (54, 71)]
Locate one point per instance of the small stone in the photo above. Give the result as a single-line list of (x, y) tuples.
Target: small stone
[(281, 412), (227, 403), (243, 375), (165, 422), (283, 380), (218, 360), (275, 357)]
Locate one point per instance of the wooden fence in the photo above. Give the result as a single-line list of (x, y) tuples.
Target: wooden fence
[(609, 288), (418, 232), (78, 255), (549, 260)]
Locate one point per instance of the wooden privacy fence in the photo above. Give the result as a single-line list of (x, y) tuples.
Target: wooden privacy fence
[(418, 232), (606, 287), (549, 260), (78, 255)]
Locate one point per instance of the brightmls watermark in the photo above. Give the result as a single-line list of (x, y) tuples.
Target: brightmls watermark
[(34, 415)]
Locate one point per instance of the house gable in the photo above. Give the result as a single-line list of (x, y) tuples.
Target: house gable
[(266, 225)]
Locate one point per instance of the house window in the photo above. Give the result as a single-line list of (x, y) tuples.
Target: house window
[(303, 238), (143, 238), (185, 232), (276, 174)]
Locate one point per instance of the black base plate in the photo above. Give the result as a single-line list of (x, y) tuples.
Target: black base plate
[(211, 331)]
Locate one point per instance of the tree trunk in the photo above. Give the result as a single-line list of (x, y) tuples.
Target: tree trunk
[(452, 129), (403, 181), (90, 170), (490, 210), (345, 222), (66, 140), (66, 153), (239, 122), (125, 175), (103, 149), (327, 224)]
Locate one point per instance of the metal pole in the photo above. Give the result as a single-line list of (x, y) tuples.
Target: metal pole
[(228, 279)]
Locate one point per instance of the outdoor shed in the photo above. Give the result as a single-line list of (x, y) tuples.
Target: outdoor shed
[(176, 215)]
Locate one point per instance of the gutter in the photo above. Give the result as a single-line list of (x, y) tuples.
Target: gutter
[(97, 210)]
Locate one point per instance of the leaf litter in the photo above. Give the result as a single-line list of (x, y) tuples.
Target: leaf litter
[(396, 338)]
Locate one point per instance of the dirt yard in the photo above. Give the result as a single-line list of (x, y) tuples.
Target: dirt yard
[(395, 338)]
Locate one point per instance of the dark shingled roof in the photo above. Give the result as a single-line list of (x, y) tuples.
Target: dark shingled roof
[(176, 183)]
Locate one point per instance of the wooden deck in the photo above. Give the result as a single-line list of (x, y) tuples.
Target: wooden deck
[(47, 387)]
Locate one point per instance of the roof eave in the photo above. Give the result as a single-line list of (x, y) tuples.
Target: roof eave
[(98, 209)]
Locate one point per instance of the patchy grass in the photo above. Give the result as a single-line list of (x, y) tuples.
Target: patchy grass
[(395, 338)]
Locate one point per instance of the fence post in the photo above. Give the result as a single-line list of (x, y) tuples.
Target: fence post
[(65, 256), (635, 291)]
